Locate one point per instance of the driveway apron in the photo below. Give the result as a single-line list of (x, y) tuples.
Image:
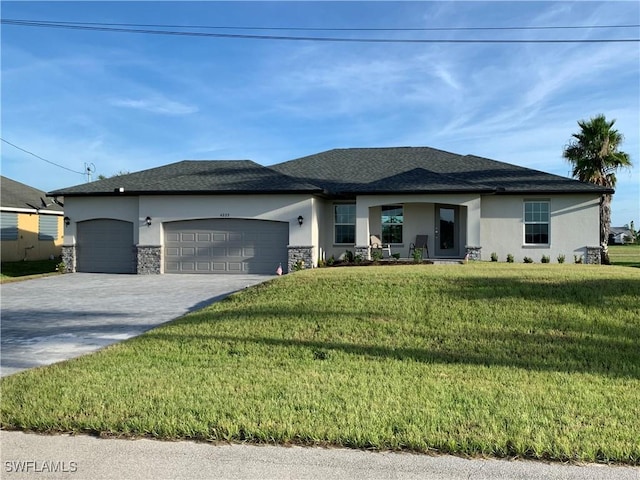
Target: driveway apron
[(51, 319)]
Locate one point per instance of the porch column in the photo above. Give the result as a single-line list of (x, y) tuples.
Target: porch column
[(473, 246), (362, 231)]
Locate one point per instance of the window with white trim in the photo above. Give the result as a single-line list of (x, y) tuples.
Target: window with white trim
[(536, 223), (344, 218), (392, 222)]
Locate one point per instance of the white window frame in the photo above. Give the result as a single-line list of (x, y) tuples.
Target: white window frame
[(336, 223), (526, 222)]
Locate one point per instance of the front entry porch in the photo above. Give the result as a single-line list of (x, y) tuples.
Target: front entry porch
[(452, 227)]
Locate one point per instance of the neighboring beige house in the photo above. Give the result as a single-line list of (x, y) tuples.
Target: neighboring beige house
[(241, 217), (31, 223)]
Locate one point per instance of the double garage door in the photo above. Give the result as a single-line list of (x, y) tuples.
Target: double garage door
[(225, 246)]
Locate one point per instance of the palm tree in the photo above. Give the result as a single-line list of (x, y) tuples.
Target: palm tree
[(594, 154)]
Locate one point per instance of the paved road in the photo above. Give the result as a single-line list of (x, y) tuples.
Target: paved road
[(82, 457), (50, 319)]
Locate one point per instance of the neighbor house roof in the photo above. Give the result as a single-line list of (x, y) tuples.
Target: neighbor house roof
[(620, 230), (350, 171), (16, 196), (420, 169), (196, 176)]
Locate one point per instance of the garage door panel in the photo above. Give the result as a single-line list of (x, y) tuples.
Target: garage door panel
[(172, 267), (229, 245)]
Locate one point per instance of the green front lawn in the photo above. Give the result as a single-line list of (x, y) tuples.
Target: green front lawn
[(10, 271), (625, 255), (539, 361)]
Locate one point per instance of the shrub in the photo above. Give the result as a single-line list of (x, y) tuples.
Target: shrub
[(376, 255), (528, 260), (417, 256), (321, 263), (61, 267), (509, 258), (396, 256), (348, 256), (494, 257), (577, 259), (299, 265), (545, 259), (561, 258), (331, 260)]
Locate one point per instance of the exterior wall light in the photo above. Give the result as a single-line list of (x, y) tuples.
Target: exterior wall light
[(67, 221), (300, 220), (148, 220)]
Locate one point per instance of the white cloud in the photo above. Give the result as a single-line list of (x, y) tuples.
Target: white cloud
[(162, 106)]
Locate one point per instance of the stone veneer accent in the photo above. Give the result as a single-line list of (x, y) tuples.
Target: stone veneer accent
[(300, 253), (593, 255), (149, 259), (69, 258), (475, 253), (363, 251)]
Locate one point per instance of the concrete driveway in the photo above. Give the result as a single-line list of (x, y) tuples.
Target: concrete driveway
[(51, 319)]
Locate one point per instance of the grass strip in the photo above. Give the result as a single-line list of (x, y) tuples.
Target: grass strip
[(17, 271)]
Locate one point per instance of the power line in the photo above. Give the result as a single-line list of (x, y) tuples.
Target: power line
[(27, 23), (333, 29), (39, 157)]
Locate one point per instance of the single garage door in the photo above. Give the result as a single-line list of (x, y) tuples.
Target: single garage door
[(105, 246), (225, 245)]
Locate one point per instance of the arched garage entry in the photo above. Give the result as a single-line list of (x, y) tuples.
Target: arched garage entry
[(225, 245), (105, 246)]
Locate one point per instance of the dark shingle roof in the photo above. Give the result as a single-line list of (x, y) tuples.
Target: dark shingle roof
[(18, 195), (196, 176), (420, 169), (348, 171)]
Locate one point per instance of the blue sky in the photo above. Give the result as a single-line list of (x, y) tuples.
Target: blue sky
[(127, 102)]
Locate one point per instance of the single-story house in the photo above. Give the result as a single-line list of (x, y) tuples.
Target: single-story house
[(241, 217), (31, 224), (620, 236)]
